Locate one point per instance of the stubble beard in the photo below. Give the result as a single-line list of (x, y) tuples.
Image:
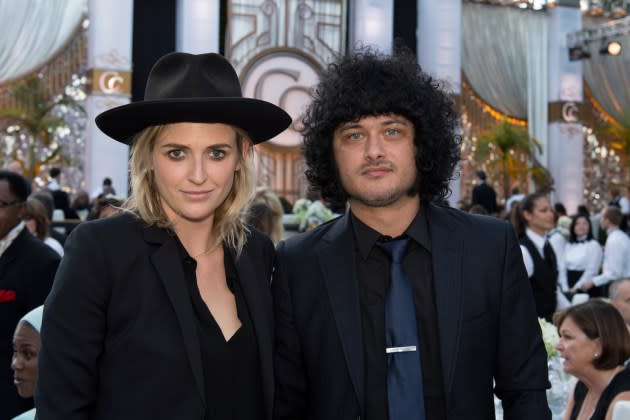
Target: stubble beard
[(385, 199)]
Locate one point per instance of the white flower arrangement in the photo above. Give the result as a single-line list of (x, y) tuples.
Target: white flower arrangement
[(311, 213), (550, 337)]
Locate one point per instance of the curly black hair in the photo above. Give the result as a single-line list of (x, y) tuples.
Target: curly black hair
[(368, 83)]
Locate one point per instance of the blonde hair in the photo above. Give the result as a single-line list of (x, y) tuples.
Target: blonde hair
[(145, 201), (265, 214)]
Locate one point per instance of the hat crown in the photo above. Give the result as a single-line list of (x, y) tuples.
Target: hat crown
[(185, 76)]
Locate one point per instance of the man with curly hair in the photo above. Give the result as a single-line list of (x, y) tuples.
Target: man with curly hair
[(401, 308)]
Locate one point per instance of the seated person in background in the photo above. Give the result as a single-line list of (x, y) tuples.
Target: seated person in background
[(619, 293), (265, 214), (104, 207), (583, 255), (287, 207), (26, 345), (81, 204), (46, 199), (594, 343), (478, 209), (37, 222), (559, 210)]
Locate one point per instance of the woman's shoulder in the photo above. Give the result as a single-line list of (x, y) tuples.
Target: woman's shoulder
[(621, 381), (113, 225)]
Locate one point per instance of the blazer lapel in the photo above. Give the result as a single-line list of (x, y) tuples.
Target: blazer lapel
[(447, 248), (336, 258), (259, 305), (12, 251), (168, 266)]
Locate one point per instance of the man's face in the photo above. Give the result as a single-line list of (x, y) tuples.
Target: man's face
[(621, 301), (375, 157), (10, 209)]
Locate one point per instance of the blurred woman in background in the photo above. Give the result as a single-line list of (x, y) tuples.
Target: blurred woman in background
[(595, 344), (36, 220), (583, 255)]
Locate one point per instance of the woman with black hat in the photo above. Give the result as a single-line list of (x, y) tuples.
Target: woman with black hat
[(164, 311)]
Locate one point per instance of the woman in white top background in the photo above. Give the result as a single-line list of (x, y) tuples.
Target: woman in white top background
[(582, 254)]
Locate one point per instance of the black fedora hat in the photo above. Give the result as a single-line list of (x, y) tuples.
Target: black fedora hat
[(194, 88)]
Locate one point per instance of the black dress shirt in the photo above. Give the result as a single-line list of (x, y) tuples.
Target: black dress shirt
[(374, 278), (231, 369)]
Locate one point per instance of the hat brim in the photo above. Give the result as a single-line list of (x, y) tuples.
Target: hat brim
[(261, 120)]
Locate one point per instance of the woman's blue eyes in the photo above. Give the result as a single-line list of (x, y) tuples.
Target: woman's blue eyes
[(217, 154), (177, 154)]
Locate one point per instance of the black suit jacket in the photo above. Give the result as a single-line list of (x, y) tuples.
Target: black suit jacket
[(486, 320), (119, 337), (485, 195), (27, 268)]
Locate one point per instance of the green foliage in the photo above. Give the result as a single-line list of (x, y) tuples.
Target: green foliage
[(511, 152), (618, 135), (33, 117)]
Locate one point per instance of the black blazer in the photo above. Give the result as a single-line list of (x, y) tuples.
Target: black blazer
[(27, 268), (486, 321), (119, 338)]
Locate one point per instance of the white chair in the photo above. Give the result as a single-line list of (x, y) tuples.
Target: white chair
[(621, 410)]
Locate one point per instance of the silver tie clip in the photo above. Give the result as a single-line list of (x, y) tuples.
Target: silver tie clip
[(399, 349)]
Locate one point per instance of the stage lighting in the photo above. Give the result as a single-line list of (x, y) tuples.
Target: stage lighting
[(578, 52), (611, 48)]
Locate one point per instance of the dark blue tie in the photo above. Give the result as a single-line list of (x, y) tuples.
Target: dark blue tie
[(405, 391)]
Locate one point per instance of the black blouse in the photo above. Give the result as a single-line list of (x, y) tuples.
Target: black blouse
[(619, 383), (231, 369)]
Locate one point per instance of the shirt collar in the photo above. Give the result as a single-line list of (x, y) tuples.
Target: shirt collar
[(538, 240), (6, 242), (366, 237)]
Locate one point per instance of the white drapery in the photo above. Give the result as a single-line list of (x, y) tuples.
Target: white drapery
[(505, 59), (494, 44), (33, 31), (608, 76)]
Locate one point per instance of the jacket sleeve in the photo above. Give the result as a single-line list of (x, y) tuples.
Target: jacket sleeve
[(73, 330), (290, 393), (521, 364)]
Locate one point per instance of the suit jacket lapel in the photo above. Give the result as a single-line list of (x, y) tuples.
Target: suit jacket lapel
[(259, 304), (336, 259), (447, 249), (12, 251), (169, 268)]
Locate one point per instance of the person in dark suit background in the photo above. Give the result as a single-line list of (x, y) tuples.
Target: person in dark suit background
[(484, 195), (164, 310), (381, 134), (27, 269)]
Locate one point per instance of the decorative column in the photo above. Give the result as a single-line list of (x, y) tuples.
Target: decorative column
[(564, 156), (440, 49), (371, 23), (198, 25), (109, 61)]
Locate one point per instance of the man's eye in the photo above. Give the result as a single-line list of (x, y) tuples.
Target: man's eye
[(354, 136), (176, 154), (392, 131)]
